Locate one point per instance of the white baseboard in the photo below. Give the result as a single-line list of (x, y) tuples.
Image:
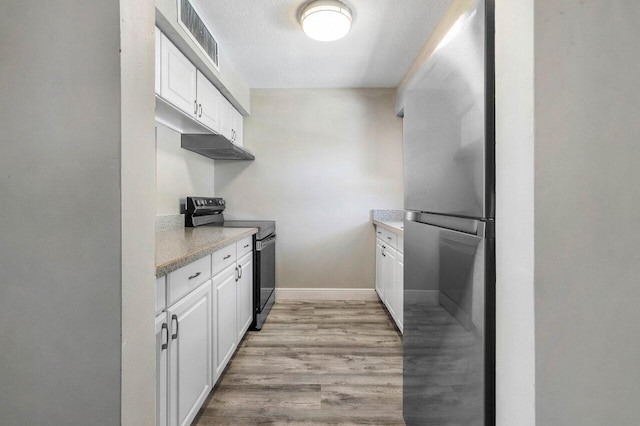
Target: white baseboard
[(326, 294)]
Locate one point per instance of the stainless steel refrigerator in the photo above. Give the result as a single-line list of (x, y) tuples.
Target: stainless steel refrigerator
[(449, 184)]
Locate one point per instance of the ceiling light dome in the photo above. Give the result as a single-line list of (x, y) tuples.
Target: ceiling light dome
[(326, 20)]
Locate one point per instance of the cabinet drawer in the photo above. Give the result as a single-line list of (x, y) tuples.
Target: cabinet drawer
[(223, 258), (187, 278), (388, 237), (161, 294), (244, 246)]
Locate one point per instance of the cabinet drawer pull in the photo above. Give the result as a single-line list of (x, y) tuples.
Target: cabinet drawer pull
[(240, 276), (226, 257), (246, 246), (164, 331), (388, 238), (196, 275), (175, 335), (237, 276), (200, 115)]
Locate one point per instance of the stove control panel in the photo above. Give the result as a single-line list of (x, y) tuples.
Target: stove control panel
[(204, 205)]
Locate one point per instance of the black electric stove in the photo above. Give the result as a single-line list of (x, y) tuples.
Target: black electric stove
[(208, 211)]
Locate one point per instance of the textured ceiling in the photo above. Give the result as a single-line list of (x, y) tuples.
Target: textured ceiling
[(265, 42)]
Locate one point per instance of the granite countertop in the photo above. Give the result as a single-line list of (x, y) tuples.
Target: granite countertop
[(393, 220), (393, 226), (178, 247)]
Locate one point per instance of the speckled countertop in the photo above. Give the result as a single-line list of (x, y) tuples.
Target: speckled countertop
[(178, 247), (393, 220), (393, 226)]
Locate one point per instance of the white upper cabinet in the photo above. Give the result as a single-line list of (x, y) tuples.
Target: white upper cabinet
[(225, 119), (184, 88), (209, 101), (236, 127), (158, 56), (178, 78)]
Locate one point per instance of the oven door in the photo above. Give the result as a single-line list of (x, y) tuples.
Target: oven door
[(266, 271)]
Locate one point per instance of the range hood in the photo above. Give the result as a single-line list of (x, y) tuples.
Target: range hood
[(215, 146)]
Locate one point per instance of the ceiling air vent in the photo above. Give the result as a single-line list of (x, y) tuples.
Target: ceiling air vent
[(192, 22)]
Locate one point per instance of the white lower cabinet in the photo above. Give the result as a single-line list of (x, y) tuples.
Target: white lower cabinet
[(224, 287), (400, 302), (390, 273), (244, 288), (162, 343), (190, 354), (390, 279), (379, 264), (198, 333), (233, 295)]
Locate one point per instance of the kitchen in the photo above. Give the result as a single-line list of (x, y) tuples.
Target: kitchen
[(78, 143)]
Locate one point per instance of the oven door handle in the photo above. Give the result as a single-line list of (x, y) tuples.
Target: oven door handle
[(261, 245)]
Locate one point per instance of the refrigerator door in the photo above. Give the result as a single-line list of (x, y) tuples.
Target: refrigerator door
[(448, 125), (448, 331)]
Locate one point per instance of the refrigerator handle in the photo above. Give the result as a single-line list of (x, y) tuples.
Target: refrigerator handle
[(482, 228)]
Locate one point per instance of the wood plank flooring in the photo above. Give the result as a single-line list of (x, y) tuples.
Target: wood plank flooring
[(313, 363)]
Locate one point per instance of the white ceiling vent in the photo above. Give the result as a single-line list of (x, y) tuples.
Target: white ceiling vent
[(191, 21)]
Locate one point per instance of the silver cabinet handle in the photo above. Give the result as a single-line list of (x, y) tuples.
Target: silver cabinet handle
[(164, 331), (226, 257), (200, 111), (196, 275), (237, 277), (195, 107), (240, 266), (175, 335), (383, 247)]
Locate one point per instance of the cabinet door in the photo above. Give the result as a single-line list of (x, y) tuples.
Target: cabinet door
[(158, 62), (400, 292), (245, 295), (225, 118), (178, 78), (224, 285), (379, 268), (190, 377), (162, 341), (390, 279), (236, 127), (208, 103)]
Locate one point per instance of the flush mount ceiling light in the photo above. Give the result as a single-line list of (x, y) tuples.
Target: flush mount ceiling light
[(326, 20)]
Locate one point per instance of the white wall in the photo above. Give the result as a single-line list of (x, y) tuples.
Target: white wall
[(515, 343), (324, 158), (587, 249), (60, 219), (180, 173), (137, 42)]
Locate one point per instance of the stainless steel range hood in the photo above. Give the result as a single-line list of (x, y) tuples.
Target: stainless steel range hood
[(215, 146)]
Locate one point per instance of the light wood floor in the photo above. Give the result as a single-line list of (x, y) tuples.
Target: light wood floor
[(313, 363)]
